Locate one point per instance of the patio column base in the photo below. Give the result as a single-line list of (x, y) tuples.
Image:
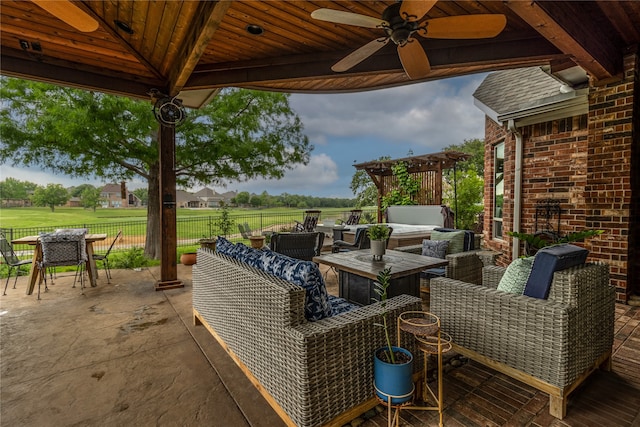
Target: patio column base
[(169, 284)]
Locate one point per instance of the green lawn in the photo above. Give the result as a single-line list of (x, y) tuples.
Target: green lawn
[(62, 216)]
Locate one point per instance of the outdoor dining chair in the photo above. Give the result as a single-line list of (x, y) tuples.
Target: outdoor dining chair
[(302, 246), (11, 260), (361, 241), (104, 258), (63, 249)]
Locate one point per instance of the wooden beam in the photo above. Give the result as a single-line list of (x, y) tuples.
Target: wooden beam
[(588, 47), (30, 69), (168, 215), (442, 54), (209, 17)]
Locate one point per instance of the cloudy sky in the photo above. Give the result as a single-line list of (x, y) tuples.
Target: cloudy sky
[(422, 118)]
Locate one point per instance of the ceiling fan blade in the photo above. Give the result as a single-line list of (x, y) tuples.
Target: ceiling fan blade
[(359, 55), (349, 18), (69, 13), (465, 27), (414, 10), (414, 60)]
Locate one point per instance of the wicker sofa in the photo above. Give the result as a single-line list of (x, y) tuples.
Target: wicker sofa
[(312, 372), (551, 344)]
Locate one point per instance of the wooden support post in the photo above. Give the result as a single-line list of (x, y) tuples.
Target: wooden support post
[(168, 233)]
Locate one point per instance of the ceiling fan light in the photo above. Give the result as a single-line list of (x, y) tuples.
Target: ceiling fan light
[(255, 29), (121, 25)]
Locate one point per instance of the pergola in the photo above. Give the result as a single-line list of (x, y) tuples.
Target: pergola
[(426, 168), (191, 49)]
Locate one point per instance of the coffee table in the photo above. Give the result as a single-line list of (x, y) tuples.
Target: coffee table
[(357, 272)]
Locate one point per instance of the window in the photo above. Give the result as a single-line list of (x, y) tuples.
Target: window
[(498, 190)]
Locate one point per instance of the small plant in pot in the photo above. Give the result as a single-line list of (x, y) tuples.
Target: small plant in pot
[(378, 234), (392, 365)]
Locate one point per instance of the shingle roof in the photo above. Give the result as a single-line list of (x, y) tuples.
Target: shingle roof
[(511, 90)]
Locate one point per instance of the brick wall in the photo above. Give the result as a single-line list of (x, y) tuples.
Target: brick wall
[(609, 191), (591, 166)]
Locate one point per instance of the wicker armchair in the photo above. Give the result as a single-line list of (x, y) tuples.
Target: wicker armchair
[(463, 266), (302, 246), (551, 344)]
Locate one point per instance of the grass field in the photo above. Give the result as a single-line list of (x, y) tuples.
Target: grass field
[(34, 217)]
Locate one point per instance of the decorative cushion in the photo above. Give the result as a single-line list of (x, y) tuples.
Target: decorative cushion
[(305, 274), (549, 260), (435, 248), (224, 246), (469, 237), (515, 276), (340, 305), (456, 240)]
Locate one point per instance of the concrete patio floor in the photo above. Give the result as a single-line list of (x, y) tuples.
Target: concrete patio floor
[(126, 355)]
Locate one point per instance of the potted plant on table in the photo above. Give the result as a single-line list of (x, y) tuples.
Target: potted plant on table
[(378, 234), (392, 365)]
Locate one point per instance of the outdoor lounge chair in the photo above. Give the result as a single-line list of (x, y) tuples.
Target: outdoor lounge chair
[(302, 246), (354, 217), (245, 230), (12, 260), (309, 223), (361, 241)]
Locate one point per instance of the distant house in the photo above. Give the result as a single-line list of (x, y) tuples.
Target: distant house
[(74, 202), (210, 199), (117, 196), (184, 199)]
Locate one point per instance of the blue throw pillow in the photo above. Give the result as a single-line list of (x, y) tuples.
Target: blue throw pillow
[(224, 246), (305, 274), (549, 260), (435, 248)]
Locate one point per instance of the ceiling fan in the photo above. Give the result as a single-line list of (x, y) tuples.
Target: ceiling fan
[(400, 22), (69, 13)]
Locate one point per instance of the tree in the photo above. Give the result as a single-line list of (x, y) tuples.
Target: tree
[(77, 191), (475, 147), (242, 198), (90, 198), (52, 195), (469, 183), (240, 134), (142, 194), (470, 189), (12, 188), (364, 189)]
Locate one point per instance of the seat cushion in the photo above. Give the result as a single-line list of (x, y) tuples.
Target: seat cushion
[(455, 238), (340, 305), (549, 260), (435, 248), (515, 276)]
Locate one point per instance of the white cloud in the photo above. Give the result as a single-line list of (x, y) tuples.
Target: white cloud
[(320, 172)]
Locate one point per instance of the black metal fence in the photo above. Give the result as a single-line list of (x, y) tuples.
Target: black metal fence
[(189, 229)]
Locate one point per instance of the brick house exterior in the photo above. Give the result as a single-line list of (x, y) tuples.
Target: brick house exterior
[(580, 147)]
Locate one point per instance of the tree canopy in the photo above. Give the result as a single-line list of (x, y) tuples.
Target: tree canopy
[(240, 134)]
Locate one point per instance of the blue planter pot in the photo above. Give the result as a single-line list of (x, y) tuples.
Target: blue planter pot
[(393, 380)]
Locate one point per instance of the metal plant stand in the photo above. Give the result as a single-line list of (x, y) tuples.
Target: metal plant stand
[(425, 328)]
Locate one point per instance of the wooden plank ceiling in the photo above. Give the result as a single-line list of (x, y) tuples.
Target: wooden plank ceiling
[(182, 46)]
